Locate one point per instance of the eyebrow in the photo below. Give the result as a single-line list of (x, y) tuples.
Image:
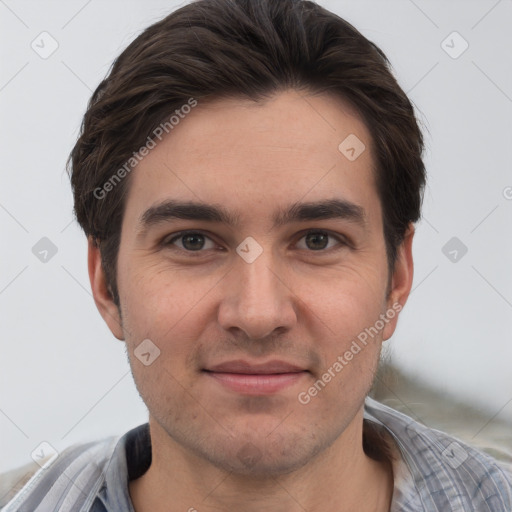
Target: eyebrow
[(296, 212)]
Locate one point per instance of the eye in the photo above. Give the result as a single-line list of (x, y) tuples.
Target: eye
[(318, 240), (195, 241), (190, 241)]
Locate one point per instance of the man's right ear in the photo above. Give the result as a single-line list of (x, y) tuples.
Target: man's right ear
[(100, 291)]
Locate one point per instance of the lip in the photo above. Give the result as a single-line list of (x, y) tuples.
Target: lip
[(255, 379), (243, 367), (256, 384)]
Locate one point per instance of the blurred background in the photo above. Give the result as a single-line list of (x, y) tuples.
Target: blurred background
[(65, 379)]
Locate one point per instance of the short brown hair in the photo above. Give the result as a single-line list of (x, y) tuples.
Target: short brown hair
[(212, 49)]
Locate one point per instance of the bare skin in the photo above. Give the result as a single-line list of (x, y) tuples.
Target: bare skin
[(303, 300)]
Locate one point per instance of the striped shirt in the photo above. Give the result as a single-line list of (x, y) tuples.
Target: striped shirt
[(433, 471)]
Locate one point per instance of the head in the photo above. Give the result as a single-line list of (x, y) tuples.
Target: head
[(252, 113)]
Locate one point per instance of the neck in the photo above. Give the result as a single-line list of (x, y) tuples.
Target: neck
[(342, 478)]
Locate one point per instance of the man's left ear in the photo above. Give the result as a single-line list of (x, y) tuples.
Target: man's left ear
[(401, 282)]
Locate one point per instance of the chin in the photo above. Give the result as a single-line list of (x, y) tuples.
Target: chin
[(264, 458)]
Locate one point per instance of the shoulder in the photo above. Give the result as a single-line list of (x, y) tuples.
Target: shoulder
[(11, 482), (447, 473), (79, 466)]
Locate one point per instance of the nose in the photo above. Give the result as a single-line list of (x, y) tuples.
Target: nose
[(257, 299)]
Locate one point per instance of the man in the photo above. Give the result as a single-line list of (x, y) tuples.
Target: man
[(248, 176)]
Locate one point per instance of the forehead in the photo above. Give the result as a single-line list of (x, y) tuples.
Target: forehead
[(290, 148)]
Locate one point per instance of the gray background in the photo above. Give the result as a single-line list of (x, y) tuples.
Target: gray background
[(65, 379)]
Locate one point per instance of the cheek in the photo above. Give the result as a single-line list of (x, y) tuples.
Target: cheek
[(156, 301), (348, 334), (349, 344), (348, 301), (173, 311), (153, 311)]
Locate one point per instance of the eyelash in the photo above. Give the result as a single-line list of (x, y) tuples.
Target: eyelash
[(166, 242)]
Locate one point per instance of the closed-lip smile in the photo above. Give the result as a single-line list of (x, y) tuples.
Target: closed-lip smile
[(256, 378)]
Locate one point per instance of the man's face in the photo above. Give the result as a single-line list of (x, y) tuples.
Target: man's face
[(284, 295)]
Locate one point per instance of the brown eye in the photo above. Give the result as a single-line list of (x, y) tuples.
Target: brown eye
[(319, 240), (192, 241)]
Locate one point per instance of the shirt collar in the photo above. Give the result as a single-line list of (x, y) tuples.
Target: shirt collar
[(130, 460)]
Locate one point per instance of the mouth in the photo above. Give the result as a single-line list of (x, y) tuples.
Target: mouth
[(255, 379)]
